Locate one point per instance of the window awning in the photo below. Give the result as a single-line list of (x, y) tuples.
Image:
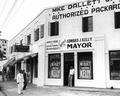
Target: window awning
[(10, 62)]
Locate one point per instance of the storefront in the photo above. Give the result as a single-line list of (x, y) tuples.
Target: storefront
[(75, 52)]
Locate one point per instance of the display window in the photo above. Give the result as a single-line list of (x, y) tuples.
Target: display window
[(114, 61), (54, 65), (85, 65)]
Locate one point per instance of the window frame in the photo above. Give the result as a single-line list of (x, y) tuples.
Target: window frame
[(84, 68), (54, 28), (114, 71), (36, 34), (87, 24), (54, 66), (117, 20)]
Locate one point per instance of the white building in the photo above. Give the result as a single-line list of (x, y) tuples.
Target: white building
[(3, 52), (85, 35)]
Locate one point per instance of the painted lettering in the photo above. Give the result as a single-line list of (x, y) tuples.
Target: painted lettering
[(79, 45), (61, 8)]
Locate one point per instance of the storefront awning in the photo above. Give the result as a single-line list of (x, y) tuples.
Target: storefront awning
[(10, 62), (26, 57)]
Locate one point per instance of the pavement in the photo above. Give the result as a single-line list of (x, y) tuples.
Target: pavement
[(10, 89)]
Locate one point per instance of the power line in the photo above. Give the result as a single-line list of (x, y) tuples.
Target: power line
[(10, 13), (3, 7)]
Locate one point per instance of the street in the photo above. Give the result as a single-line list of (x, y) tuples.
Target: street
[(10, 89)]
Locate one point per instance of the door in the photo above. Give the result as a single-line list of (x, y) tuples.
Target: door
[(68, 62)]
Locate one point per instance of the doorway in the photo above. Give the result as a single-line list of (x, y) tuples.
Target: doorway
[(68, 62)]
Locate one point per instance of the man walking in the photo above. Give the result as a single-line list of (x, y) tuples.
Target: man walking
[(20, 81), (25, 80)]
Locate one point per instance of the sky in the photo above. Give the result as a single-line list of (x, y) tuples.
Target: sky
[(24, 12)]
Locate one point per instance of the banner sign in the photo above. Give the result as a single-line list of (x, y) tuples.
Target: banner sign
[(70, 44), (84, 8)]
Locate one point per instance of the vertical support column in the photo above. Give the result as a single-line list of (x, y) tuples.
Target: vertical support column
[(41, 64), (75, 68), (22, 65), (62, 69), (99, 66), (15, 72)]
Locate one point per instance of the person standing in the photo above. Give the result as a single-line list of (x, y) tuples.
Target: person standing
[(28, 77), (20, 81), (70, 78), (3, 75), (25, 80)]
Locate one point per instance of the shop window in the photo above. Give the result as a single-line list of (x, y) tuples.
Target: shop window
[(85, 65), (36, 34), (36, 67), (54, 28), (87, 24), (29, 39), (117, 20), (114, 61), (54, 66), (42, 31)]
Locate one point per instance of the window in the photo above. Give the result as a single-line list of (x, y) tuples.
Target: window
[(114, 61), (36, 34), (11, 49), (29, 39), (54, 28), (87, 24), (85, 66), (4, 49), (42, 31), (54, 65), (117, 20), (4, 52)]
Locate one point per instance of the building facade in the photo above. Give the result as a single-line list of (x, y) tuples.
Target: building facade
[(84, 35), (3, 52)]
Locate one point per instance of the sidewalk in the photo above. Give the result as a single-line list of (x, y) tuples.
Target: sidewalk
[(10, 88)]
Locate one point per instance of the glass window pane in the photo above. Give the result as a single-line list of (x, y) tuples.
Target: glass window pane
[(85, 66), (114, 61), (54, 65)]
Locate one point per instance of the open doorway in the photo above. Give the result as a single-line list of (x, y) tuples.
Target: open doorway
[(68, 62)]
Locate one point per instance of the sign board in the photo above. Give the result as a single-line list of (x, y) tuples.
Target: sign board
[(84, 8), (21, 48), (70, 44)]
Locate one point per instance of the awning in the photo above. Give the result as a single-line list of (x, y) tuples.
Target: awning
[(26, 57), (10, 62)]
